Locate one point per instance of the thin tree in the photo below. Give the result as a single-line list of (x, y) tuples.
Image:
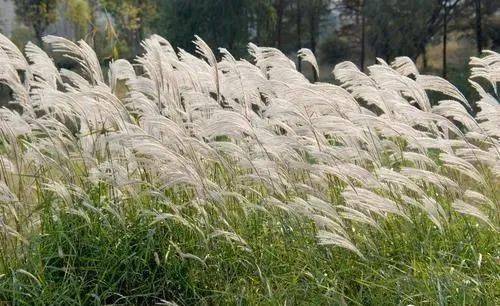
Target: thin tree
[(479, 30), (299, 31), (448, 8), (445, 33), (362, 40), (313, 16), (356, 10), (279, 6)]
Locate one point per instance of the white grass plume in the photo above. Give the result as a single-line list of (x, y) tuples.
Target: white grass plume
[(210, 135)]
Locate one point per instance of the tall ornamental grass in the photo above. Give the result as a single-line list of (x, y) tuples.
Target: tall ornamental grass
[(184, 179)]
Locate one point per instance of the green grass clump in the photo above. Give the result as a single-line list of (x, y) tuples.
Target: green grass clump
[(107, 260)]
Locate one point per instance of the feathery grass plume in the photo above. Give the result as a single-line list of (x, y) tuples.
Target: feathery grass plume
[(438, 84), (487, 68), (267, 58), (489, 114), (199, 71), (42, 67), (13, 56), (405, 66), (307, 55), (425, 144), (204, 50), (453, 109), (477, 198), (426, 177), (160, 217), (496, 170), (237, 96), (462, 166), (73, 81), (158, 65), (352, 214), (419, 160), (367, 200), (185, 256), (229, 123), (477, 155), (431, 122), (12, 123), (430, 207), (340, 99), (286, 77), (351, 77), (120, 70), (232, 237), (82, 53), (389, 176), (357, 173), (10, 78), (323, 207), (329, 238), (389, 79), (165, 46), (467, 209), (7, 166), (321, 212), (386, 127), (6, 195)]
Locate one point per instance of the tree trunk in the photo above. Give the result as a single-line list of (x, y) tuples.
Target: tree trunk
[(445, 33), (38, 34), (299, 32), (313, 40), (363, 51), (279, 23), (258, 29), (312, 14), (479, 30), (424, 58), (312, 34)]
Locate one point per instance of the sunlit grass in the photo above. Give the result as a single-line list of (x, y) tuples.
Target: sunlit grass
[(187, 180)]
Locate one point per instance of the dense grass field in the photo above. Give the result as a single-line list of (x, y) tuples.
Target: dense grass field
[(185, 179)]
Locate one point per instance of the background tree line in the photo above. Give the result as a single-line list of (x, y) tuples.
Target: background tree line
[(356, 30)]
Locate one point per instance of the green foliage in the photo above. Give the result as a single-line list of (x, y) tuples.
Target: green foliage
[(224, 23), (335, 49), (264, 22), (105, 259), (408, 27), (133, 19), (78, 12), (22, 35), (316, 10), (493, 33), (401, 27), (37, 14)]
